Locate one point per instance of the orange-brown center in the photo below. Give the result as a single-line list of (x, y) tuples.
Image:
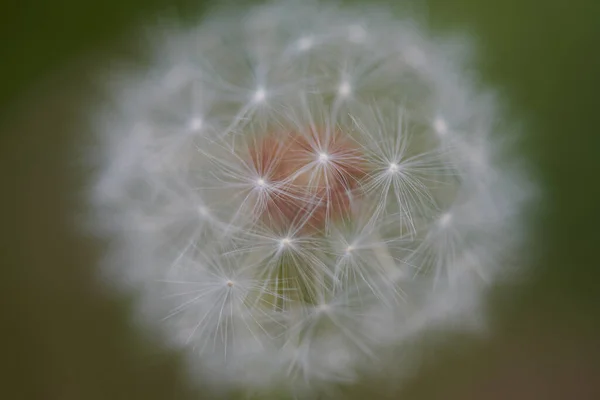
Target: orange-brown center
[(314, 177)]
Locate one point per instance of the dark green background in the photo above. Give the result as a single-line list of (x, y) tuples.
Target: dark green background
[(62, 337)]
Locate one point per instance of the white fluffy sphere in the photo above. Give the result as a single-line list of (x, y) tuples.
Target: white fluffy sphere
[(299, 188)]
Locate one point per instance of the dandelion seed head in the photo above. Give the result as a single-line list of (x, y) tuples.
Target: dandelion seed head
[(313, 226)]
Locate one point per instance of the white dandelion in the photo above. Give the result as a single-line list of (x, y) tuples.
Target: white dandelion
[(298, 188)]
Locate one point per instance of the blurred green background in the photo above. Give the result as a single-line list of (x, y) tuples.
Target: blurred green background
[(63, 337)]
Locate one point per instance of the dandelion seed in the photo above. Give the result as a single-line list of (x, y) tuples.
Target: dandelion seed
[(260, 95), (345, 89), (305, 43), (357, 34), (440, 126), (195, 124), (445, 219), (415, 56)]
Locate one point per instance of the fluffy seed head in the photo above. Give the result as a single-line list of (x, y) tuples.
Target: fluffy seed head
[(299, 189)]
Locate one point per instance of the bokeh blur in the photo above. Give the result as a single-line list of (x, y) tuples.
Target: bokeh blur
[(65, 336)]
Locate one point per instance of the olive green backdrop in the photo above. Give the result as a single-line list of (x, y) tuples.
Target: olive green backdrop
[(63, 337)]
